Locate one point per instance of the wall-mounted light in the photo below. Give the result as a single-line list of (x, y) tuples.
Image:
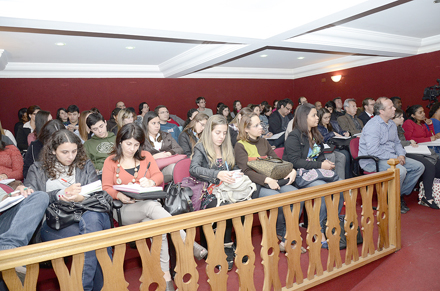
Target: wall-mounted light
[(336, 78)]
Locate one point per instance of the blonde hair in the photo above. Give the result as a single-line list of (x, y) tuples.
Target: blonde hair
[(82, 125), (123, 114), (226, 147)]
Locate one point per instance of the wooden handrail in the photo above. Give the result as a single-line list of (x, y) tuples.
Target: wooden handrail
[(119, 236)]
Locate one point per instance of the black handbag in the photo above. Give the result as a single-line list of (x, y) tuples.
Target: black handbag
[(178, 199), (61, 214)]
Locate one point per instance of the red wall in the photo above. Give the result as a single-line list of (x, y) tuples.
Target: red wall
[(405, 77), (178, 95)]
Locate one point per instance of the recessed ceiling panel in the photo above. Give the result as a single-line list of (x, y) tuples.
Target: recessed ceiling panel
[(419, 19), (42, 48), (281, 59)]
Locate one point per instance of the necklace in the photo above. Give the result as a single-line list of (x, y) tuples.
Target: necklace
[(119, 181)]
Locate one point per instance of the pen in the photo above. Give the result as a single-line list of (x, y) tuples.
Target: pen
[(15, 192), (226, 163), (65, 181), (148, 166)]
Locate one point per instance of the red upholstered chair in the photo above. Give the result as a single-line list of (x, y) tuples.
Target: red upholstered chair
[(181, 170), (279, 152), (354, 151)]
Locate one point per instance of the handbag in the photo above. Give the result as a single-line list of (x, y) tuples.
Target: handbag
[(198, 188), (241, 190), (305, 177), (178, 199), (435, 191), (61, 214), (274, 168)]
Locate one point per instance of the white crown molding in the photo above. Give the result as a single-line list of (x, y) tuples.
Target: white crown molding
[(430, 44), (3, 60), (359, 41), (196, 58), (49, 70), (242, 73)]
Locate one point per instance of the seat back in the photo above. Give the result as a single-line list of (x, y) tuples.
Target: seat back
[(279, 152), (354, 147), (181, 170)]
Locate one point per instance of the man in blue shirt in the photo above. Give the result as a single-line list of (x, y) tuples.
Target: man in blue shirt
[(167, 124), (380, 139)]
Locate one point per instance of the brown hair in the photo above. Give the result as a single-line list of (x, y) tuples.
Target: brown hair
[(49, 159), (189, 129), (245, 123)]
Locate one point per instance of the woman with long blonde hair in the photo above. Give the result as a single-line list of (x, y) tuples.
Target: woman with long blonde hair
[(212, 162)]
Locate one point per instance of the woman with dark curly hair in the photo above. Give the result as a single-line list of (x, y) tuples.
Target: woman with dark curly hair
[(62, 169)]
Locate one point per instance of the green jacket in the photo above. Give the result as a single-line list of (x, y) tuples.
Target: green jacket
[(98, 149)]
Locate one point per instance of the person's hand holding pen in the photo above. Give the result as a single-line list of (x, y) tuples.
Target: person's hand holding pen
[(327, 165), (226, 176), (20, 190), (145, 182), (71, 193)]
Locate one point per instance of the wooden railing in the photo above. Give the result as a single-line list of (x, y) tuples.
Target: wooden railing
[(387, 217)]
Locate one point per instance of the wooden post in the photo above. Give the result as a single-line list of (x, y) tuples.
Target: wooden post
[(394, 205)]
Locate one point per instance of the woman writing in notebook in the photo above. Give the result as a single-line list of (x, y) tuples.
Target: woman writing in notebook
[(129, 164), (62, 169)]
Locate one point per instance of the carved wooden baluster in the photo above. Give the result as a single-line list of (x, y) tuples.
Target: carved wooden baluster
[(367, 221), (217, 277), (186, 277), (245, 271), (351, 220), (113, 270), (72, 281), (293, 254), (382, 215), (30, 283), (270, 250), (333, 232), (313, 238), (151, 271)]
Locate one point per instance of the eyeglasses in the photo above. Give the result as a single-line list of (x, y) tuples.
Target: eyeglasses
[(289, 108), (202, 124)]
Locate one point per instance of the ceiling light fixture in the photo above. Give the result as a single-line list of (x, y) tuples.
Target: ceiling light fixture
[(300, 58), (60, 44), (130, 47), (336, 78), (263, 56)]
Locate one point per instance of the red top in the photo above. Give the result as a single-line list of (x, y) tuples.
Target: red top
[(419, 133), (109, 173), (11, 162)]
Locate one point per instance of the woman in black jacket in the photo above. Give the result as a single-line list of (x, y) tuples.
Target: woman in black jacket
[(160, 144), (192, 132), (212, 161), (63, 169), (304, 149)]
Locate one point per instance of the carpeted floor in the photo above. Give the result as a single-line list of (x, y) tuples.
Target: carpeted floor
[(414, 267)]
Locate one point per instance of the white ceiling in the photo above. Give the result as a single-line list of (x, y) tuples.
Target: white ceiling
[(206, 39)]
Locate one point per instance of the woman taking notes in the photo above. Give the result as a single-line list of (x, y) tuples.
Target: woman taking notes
[(129, 164), (62, 170)]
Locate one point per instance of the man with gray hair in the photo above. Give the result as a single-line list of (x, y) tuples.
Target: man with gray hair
[(350, 122), (380, 139)]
